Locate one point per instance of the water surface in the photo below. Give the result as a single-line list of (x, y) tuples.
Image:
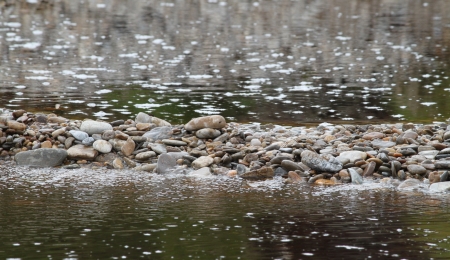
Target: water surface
[(285, 62)]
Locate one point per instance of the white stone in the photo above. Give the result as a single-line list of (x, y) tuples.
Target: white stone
[(102, 146), (202, 161)]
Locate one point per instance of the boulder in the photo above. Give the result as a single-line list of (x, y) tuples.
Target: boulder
[(44, 157)]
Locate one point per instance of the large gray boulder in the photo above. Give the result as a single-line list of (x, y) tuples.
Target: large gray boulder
[(44, 157)]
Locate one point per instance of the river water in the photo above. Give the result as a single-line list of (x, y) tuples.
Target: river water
[(283, 62), (286, 62), (87, 214)]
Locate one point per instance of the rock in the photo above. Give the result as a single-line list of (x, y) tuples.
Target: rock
[(434, 177), (373, 135), (214, 121), (444, 176), (409, 184), (260, 174), (117, 144), (370, 168), (159, 133), (145, 118), (351, 156), (324, 182), (158, 148), (356, 178), (255, 142), (207, 133), (147, 167), (16, 125), (56, 119), (295, 178), (46, 144), (128, 147), (58, 132), (81, 152), (431, 154), (166, 163), (201, 173), (88, 141), (79, 135), (416, 169), (289, 165), (440, 187), (145, 156), (321, 163), (117, 163), (102, 146), (68, 142), (95, 127), (173, 142), (43, 157), (443, 164), (143, 126), (202, 161), (382, 144), (108, 134), (241, 169), (410, 134)]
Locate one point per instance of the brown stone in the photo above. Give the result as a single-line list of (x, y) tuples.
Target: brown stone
[(128, 148), (16, 125), (46, 144)]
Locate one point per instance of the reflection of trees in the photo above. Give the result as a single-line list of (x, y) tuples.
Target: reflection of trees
[(341, 41)]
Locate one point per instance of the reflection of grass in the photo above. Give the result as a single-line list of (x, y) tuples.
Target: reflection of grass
[(174, 111), (413, 94)]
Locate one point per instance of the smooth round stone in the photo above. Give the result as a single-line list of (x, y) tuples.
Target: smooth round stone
[(271, 147), (431, 154), (416, 169), (351, 156), (410, 134), (445, 151), (117, 144), (58, 132), (207, 133), (145, 156), (440, 187), (95, 127), (88, 141), (289, 165), (173, 142), (46, 144), (214, 121), (128, 147), (102, 146), (147, 167), (143, 126), (382, 144), (444, 164), (16, 125), (145, 118), (79, 135), (373, 135), (202, 161), (255, 142), (82, 152), (41, 157)]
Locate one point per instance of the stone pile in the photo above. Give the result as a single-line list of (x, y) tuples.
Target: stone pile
[(326, 154)]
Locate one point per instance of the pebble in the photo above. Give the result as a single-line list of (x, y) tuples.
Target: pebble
[(94, 127), (324, 163), (211, 146), (214, 121), (102, 146)]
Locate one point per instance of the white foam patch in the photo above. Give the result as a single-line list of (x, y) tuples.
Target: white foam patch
[(103, 91)]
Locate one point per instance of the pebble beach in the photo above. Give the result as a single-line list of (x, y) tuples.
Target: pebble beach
[(403, 154)]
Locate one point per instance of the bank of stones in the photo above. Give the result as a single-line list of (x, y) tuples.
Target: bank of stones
[(326, 154)]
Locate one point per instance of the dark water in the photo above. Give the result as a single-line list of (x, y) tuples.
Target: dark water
[(286, 62), (60, 214)]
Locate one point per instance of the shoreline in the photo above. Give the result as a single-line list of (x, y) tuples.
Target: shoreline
[(406, 155)]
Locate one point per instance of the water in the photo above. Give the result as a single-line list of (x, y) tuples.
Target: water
[(80, 214), (285, 62)]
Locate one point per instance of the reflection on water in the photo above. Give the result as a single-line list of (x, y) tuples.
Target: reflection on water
[(268, 61), (83, 214)]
